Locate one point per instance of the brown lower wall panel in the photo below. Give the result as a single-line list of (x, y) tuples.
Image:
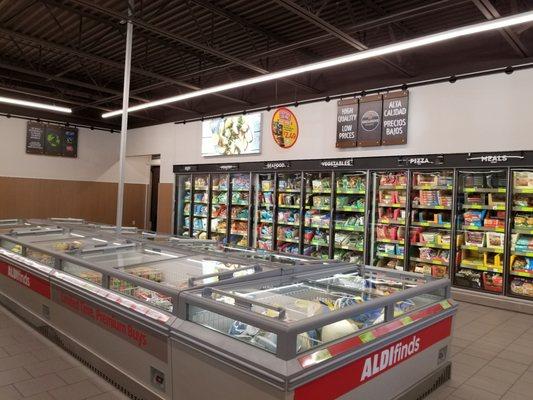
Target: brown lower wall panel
[(92, 201), (165, 208)]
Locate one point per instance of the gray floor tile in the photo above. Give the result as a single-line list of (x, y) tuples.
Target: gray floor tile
[(467, 392), (45, 367), (20, 360), (112, 396), (38, 385), (13, 375), (441, 393), (507, 365), (488, 384), (40, 396), (515, 396), (523, 387), (516, 356), (75, 374), (76, 391), (9, 393)]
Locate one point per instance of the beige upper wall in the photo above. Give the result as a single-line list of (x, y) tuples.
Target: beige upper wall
[(480, 114), (97, 157)]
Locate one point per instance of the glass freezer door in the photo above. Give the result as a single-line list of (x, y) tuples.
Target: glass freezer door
[(388, 219), (289, 212), (317, 214), (239, 209), (431, 216), (521, 255), (200, 201), (264, 199), (349, 221), (481, 220), (183, 199), (219, 207)]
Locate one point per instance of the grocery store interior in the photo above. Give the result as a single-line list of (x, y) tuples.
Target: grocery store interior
[(268, 200)]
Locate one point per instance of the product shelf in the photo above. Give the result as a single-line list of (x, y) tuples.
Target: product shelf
[(350, 228), (523, 209), (431, 245), (431, 207), (386, 255), (482, 267), (344, 191), (445, 225), (481, 228), (524, 190), (433, 187), (350, 209), (295, 207), (523, 273), (429, 261), (528, 254), (483, 207), (392, 205), (391, 222), (392, 187), (484, 190), (483, 248), (390, 241)]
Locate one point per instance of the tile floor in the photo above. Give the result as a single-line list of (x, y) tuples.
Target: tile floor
[(492, 354), (33, 368)]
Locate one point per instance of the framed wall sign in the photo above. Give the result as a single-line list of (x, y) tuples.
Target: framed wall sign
[(347, 112)]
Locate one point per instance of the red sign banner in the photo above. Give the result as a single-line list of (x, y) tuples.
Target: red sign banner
[(364, 369), (24, 278)]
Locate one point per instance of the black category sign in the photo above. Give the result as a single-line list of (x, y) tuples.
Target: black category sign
[(35, 138), (185, 168), (229, 167), (276, 165), (340, 163), (495, 158), (370, 121), (51, 140), (420, 161), (347, 111), (395, 109)]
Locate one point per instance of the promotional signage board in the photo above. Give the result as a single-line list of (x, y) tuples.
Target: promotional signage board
[(24, 278), (51, 140), (339, 163), (395, 118), (350, 377), (347, 111), (420, 161), (35, 138), (495, 158), (231, 136), (129, 330), (276, 165), (373, 120), (370, 121), (284, 128)]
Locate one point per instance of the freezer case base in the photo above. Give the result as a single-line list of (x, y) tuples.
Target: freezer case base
[(429, 384), (99, 366), (493, 300)]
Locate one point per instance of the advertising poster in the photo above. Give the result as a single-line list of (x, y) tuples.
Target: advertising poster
[(370, 121), (395, 110), (347, 111), (51, 140), (284, 128), (232, 136), (35, 138)]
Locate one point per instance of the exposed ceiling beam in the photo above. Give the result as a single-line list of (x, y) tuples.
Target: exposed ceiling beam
[(187, 42), (489, 12), (336, 32), (104, 61)]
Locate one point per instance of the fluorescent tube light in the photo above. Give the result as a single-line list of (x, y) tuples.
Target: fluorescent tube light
[(33, 104), (359, 56)]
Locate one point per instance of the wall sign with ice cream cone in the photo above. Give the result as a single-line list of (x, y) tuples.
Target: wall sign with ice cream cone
[(284, 128)]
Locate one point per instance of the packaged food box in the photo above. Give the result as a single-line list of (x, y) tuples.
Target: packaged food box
[(474, 238), (495, 239)]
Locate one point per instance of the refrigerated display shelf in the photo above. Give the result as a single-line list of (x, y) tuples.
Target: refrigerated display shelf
[(288, 240), (483, 207), (200, 189), (481, 228), (350, 228), (352, 248), (523, 272), (289, 223), (217, 189), (386, 255), (318, 243), (200, 216), (240, 190), (270, 205), (186, 201), (321, 191), (446, 225), (239, 203), (220, 204), (523, 209), (241, 233), (481, 267), (392, 205), (199, 230), (350, 191), (201, 202), (352, 209), (288, 206), (186, 214), (288, 190), (239, 219), (528, 254), (431, 207), (265, 237), (527, 190), (392, 187), (318, 226), (323, 208), (525, 231), (265, 221), (484, 190), (391, 221), (483, 248), (401, 241), (429, 261), (432, 245), (432, 187)]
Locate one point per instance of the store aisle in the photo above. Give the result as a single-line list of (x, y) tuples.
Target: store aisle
[(31, 367), (492, 356)]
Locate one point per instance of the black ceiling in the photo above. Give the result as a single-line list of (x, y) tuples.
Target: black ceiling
[(71, 52)]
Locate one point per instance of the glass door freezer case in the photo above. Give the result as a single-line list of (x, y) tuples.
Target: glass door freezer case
[(345, 332)]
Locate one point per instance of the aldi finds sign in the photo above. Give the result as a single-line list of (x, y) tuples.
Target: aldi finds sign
[(373, 120), (26, 279)]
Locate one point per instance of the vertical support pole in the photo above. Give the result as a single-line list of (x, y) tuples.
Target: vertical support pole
[(124, 125)]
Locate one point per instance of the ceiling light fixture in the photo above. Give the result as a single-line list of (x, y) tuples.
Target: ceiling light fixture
[(32, 104), (359, 56)]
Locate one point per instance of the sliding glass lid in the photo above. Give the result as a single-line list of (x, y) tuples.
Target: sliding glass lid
[(299, 299), (126, 256)]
